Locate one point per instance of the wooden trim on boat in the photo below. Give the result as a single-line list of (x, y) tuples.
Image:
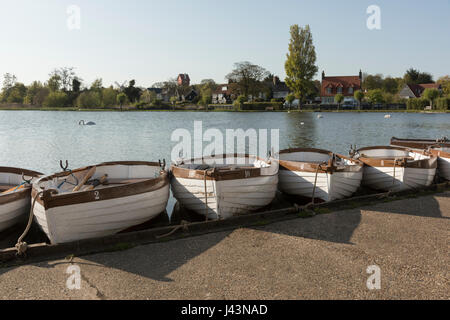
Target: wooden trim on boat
[(404, 162), (22, 193), (26, 172), (302, 166), (418, 143), (439, 153), (51, 200), (218, 174), (292, 150), (14, 196)]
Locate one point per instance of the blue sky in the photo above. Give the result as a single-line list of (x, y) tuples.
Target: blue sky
[(153, 41)]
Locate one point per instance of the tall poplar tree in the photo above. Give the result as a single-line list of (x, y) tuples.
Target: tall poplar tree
[(300, 65)]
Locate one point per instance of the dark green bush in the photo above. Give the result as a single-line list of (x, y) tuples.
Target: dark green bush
[(442, 104), (417, 104)]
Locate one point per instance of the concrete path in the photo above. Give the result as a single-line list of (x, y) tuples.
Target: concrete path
[(324, 257)]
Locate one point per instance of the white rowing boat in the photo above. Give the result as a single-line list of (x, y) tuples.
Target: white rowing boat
[(99, 200), (395, 168), (223, 186), (14, 195), (443, 154), (318, 174)]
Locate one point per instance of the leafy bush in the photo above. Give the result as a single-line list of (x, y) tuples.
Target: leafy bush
[(89, 100), (443, 103), (55, 100), (416, 104)]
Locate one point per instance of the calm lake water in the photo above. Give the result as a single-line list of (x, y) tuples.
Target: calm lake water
[(38, 139)]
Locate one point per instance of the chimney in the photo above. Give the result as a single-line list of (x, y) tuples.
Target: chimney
[(360, 74), (275, 80), (323, 74)]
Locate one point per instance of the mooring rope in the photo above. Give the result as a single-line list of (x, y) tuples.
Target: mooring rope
[(183, 225), (22, 246), (205, 173), (319, 166)]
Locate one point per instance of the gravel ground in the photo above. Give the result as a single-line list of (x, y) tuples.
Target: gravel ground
[(324, 257)]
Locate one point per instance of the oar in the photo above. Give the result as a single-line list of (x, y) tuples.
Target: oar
[(88, 175), (14, 188), (96, 183)]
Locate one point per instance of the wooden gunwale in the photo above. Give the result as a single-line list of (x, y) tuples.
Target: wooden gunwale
[(402, 162), (218, 174), (303, 166), (51, 200), (22, 193)]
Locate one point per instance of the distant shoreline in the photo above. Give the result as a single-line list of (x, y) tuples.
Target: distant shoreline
[(217, 110)]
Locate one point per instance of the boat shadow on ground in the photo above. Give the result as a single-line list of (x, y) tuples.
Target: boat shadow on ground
[(158, 260)]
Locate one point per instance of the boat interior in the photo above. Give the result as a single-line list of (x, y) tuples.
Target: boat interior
[(391, 153), (224, 163), (316, 157), (99, 177)]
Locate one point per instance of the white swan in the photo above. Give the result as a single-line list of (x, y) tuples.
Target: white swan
[(82, 123)]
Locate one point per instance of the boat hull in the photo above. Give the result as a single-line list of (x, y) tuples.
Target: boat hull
[(329, 186), (100, 218), (228, 193), (68, 216), (14, 206), (396, 168), (443, 162)]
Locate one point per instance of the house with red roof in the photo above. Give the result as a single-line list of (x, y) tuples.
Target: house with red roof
[(415, 90), (345, 85), (183, 80)]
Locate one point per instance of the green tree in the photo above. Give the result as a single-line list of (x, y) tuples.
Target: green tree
[(97, 85), (121, 99), (17, 93), (89, 99), (413, 76), (147, 97), (300, 64), (338, 99), (206, 97), (54, 82), (375, 96), (55, 100), (430, 94), (390, 85), (372, 82), (239, 102), (445, 84), (359, 95), (109, 97), (248, 77), (290, 98), (9, 81)]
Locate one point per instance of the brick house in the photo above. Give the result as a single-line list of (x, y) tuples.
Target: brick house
[(183, 79), (415, 90), (345, 85), (279, 88), (223, 94)]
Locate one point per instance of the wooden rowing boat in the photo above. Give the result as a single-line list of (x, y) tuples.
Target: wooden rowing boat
[(395, 168), (443, 155), (318, 174), (419, 144), (14, 195), (223, 186), (99, 200)]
